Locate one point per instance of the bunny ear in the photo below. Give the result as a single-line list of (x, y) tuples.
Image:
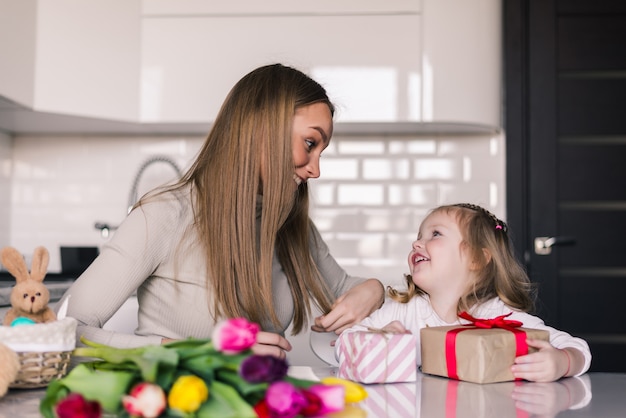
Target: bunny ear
[(39, 266), (14, 262)]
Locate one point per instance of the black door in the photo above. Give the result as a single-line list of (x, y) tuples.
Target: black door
[(565, 77)]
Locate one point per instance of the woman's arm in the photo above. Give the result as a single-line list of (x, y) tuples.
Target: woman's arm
[(352, 307), (356, 297), (122, 266)]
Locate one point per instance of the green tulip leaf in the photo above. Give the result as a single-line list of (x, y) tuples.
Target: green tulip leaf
[(225, 402), (105, 387)]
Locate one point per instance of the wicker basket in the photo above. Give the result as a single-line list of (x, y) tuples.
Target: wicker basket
[(44, 351)]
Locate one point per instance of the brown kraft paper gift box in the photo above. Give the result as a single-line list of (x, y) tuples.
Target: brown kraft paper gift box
[(483, 355)]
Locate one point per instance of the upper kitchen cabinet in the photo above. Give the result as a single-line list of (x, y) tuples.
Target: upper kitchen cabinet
[(276, 7), (461, 61), (396, 61), (72, 57), (167, 65), (370, 64)]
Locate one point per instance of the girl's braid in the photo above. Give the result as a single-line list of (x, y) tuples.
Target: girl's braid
[(499, 224)]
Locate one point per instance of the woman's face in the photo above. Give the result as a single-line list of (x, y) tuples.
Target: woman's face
[(312, 129)]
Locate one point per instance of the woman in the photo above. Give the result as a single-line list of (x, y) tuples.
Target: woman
[(233, 237)]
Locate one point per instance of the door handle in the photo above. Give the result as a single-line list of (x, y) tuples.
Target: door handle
[(543, 245)]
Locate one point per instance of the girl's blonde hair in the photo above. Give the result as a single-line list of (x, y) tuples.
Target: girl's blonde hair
[(251, 139), (500, 273)]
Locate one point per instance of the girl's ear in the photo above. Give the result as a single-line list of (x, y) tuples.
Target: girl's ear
[(487, 255), (480, 263)]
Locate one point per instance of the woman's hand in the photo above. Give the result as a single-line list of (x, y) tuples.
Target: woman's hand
[(270, 344), (267, 344), (548, 364), (352, 307)]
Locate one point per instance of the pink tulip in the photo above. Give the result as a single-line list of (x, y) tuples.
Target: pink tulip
[(145, 400), (235, 335), (284, 400)]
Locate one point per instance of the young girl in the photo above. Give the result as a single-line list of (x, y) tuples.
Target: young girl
[(463, 260)]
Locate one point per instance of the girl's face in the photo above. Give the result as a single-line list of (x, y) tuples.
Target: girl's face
[(312, 129), (437, 260)]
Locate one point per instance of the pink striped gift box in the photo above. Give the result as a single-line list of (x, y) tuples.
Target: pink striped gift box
[(377, 357)]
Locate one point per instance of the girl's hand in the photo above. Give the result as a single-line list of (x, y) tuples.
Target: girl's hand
[(542, 399), (268, 343), (546, 365), (352, 307)]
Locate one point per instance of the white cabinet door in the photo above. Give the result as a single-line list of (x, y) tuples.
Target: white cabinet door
[(17, 50), (72, 57), (370, 64), (88, 58), (462, 69)]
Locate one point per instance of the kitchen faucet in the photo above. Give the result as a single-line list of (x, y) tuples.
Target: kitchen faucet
[(104, 227), (132, 198)]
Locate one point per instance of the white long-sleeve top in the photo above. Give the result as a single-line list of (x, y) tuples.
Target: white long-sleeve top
[(418, 313)]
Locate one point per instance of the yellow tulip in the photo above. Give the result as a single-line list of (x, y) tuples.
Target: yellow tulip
[(354, 391), (187, 393)]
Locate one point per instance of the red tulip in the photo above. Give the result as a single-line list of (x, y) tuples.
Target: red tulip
[(75, 406)]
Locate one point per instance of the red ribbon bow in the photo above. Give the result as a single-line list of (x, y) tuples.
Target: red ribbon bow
[(497, 322), (521, 347)]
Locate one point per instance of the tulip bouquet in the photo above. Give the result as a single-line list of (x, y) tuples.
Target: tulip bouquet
[(217, 377)]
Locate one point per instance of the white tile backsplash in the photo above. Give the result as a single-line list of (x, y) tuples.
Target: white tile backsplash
[(372, 194), (6, 167)]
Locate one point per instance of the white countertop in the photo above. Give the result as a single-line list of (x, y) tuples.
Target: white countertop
[(57, 289), (598, 395)]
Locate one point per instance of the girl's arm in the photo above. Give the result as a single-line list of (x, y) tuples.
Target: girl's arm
[(565, 355)]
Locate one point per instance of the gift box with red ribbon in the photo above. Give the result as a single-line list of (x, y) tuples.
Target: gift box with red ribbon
[(377, 357), (481, 352)]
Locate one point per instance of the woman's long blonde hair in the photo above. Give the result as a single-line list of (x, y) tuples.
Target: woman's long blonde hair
[(500, 275), (253, 133)]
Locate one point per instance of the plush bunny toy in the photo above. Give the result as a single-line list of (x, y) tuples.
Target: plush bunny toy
[(29, 297)]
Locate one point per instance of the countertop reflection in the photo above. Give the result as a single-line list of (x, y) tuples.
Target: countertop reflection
[(598, 395), (601, 395)]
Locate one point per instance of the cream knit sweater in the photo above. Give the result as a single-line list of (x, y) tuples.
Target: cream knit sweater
[(144, 257)]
